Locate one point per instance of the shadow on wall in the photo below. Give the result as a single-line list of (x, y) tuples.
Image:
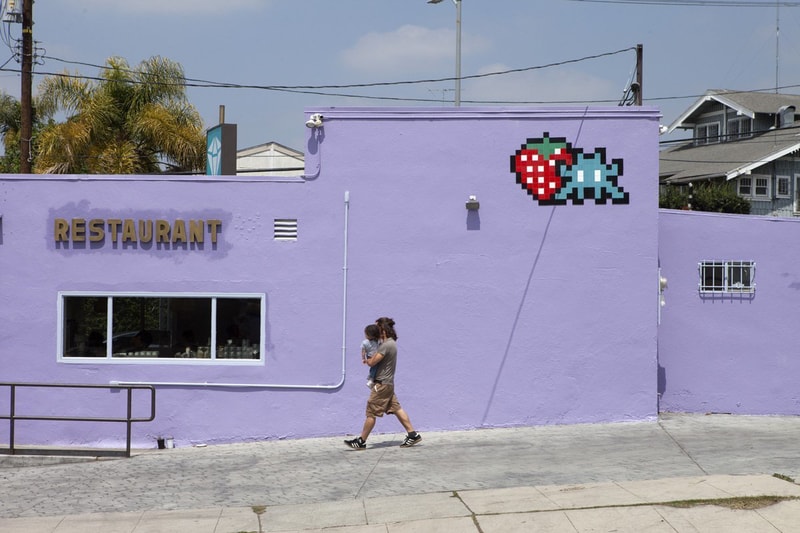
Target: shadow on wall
[(473, 221), (516, 318)]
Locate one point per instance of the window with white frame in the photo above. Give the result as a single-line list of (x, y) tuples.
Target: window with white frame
[(782, 184), (739, 127), (756, 187), (761, 187), (707, 133), (727, 276), (159, 326), (797, 193), (745, 186)]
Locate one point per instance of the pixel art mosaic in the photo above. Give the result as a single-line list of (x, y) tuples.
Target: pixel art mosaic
[(552, 171)]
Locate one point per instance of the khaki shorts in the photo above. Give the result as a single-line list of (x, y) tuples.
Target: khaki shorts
[(382, 400)]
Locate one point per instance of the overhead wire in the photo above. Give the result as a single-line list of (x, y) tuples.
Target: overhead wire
[(322, 90), (372, 84), (696, 3)]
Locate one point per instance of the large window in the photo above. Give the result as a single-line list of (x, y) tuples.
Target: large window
[(727, 276), (755, 187), (161, 327)]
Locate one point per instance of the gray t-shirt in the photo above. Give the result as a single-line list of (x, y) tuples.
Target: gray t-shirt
[(388, 364)]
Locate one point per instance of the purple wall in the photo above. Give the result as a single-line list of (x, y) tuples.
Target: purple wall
[(519, 314), (729, 354)]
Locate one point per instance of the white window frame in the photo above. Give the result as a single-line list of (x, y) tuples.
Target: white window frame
[(740, 131), (109, 359), (796, 200), (702, 135), (766, 186), (744, 183), (787, 181), (725, 277), (748, 186)]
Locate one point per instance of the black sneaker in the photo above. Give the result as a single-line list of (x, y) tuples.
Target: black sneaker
[(410, 441), (356, 443)]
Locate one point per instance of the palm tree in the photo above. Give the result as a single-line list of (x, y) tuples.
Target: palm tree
[(10, 117), (131, 121)]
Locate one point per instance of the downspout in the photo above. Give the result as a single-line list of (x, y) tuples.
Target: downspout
[(278, 385)]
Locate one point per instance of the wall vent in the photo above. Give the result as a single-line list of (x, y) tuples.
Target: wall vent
[(285, 229)]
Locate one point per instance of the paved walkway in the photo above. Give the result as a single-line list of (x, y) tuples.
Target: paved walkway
[(581, 478)]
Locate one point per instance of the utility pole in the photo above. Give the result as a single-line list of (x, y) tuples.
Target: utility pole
[(26, 105)]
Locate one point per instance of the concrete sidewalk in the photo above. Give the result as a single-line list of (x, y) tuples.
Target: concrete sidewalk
[(595, 477)]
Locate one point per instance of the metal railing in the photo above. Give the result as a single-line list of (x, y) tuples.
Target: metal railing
[(129, 419)]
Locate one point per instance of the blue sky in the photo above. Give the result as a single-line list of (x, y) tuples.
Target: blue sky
[(687, 50)]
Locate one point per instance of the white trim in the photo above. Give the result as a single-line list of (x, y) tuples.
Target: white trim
[(768, 194), (728, 270), (703, 140), (739, 121), (796, 200), (739, 186), (679, 122), (744, 169), (788, 193), (109, 359)]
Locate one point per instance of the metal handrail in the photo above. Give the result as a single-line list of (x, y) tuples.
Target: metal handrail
[(12, 417)]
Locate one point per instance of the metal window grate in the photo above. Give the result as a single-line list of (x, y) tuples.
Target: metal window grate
[(285, 229), (727, 276)]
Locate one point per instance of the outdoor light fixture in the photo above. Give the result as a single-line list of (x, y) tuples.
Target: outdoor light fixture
[(315, 121), (472, 204), (458, 47)]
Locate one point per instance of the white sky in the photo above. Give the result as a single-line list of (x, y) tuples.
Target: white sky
[(687, 50)]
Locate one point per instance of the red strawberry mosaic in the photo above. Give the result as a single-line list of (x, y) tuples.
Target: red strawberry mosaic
[(553, 172)]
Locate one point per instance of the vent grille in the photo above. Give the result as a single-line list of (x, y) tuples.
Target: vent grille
[(285, 229)]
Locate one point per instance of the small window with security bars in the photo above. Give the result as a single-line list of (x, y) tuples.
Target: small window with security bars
[(727, 277)]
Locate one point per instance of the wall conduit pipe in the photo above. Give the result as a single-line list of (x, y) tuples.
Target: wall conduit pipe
[(279, 385)]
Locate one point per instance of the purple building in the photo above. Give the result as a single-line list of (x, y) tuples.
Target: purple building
[(728, 332), (517, 250)]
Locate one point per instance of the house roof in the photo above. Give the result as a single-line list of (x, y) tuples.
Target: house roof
[(728, 159), (271, 146), (746, 103), (269, 158)]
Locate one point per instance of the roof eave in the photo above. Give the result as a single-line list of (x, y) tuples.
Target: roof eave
[(749, 167), (708, 97)]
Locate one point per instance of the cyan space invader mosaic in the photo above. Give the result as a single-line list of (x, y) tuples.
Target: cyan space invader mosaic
[(552, 171)]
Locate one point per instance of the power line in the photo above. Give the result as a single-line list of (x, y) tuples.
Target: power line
[(213, 85), (209, 83), (695, 3), (319, 90)]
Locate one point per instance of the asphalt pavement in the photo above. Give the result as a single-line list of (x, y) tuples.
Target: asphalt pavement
[(693, 473)]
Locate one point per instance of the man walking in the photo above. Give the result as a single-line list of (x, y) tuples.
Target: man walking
[(382, 398)]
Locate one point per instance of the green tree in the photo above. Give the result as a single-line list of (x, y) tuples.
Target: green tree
[(673, 197), (132, 121), (10, 117), (719, 198)]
